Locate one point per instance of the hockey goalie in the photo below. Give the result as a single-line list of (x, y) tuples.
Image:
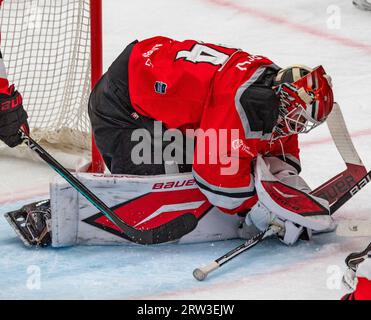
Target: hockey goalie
[(187, 126)]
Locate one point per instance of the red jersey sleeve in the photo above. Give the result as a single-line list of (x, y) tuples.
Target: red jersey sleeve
[(224, 170), (223, 164)]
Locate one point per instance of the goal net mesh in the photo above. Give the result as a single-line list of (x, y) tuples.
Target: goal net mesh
[(46, 50)]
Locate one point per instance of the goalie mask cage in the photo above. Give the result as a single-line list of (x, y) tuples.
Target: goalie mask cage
[(53, 54)]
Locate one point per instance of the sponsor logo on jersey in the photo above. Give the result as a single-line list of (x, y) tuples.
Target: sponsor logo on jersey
[(134, 115), (238, 144), (160, 87), (150, 52), (243, 66), (149, 63)]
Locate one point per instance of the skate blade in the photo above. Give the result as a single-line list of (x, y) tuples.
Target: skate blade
[(15, 227)]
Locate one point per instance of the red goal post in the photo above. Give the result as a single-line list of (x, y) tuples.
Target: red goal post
[(97, 164)]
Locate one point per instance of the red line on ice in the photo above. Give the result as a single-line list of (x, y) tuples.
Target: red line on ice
[(23, 194), (357, 134), (347, 42)]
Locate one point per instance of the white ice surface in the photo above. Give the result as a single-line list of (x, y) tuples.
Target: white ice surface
[(286, 31)]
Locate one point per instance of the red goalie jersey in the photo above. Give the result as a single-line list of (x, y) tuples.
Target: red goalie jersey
[(195, 85)]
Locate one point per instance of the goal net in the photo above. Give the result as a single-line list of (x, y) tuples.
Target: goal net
[(46, 46)]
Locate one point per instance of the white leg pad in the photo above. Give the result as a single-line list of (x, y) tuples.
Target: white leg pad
[(76, 221)]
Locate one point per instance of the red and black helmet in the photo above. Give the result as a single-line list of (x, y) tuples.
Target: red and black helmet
[(306, 99)]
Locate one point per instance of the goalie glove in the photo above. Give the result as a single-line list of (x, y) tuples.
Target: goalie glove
[(12, 117), (291, 208)]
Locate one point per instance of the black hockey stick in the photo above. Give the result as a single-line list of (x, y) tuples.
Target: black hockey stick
[(170, 231), (202, 272)]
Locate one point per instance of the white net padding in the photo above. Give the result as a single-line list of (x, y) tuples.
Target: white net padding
[(46, 49)]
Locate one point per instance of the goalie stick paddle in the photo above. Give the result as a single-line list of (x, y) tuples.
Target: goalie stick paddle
[(345, 197), (355, 171), (353, 227), (172, 230), (202, 272)]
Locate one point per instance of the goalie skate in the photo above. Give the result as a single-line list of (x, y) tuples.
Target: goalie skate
[(32, 223)]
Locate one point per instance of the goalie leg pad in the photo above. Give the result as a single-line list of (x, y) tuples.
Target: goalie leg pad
[(141, 201)]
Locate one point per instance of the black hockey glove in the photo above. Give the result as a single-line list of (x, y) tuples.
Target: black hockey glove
[(12, 118)]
